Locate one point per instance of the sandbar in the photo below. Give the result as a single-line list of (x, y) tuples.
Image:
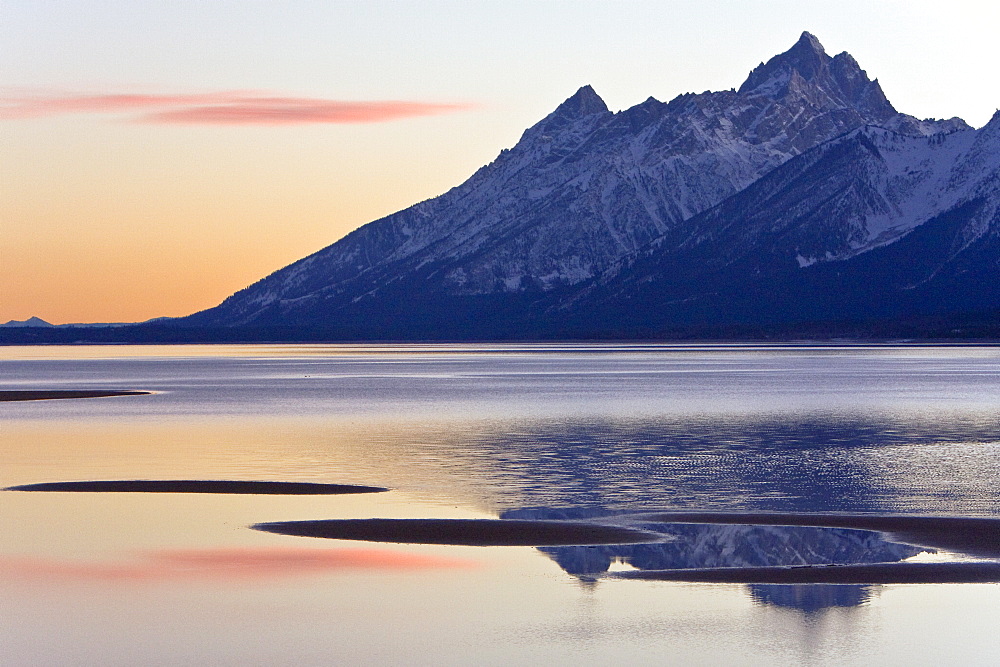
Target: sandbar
[(52, 394), (199, 486), (465, 532)]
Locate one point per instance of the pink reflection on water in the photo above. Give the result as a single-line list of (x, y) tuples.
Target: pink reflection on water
[(225, 564)]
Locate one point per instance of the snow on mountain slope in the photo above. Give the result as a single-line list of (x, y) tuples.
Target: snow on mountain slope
[(855, 193), (582, 189), (871, 224)]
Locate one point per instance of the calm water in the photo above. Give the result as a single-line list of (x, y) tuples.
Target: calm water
[(480, 432)]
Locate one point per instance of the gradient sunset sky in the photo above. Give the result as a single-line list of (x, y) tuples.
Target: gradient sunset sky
[(155, 157)]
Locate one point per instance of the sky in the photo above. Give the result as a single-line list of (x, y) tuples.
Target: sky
[(156, 157)]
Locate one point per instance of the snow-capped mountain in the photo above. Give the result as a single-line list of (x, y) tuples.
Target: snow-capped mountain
[(588, 194), (874, 223), (861, 191)]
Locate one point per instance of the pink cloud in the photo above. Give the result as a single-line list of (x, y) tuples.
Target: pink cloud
[(223, 108), (226, 564)]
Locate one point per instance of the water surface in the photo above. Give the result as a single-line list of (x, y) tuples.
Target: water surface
[(536, 432)]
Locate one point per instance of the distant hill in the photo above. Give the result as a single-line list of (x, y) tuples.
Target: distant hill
[(30, 322), (37, 322)]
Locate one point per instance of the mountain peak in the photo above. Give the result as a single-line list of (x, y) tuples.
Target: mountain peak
[(807, 57), (583, 102), (809, 41), (994, 121), (805, 71)]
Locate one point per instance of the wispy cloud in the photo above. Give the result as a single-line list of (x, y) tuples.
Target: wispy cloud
[(293, 111), (222, 108)]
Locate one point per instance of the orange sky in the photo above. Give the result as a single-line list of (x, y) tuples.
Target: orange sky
[(119, 222)]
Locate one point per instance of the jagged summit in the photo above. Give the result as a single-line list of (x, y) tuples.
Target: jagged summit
[(806, 71), (583, 102), (809, 40), (807, 56)]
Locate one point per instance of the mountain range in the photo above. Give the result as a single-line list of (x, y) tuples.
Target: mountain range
[(801, 196), (872, 224)]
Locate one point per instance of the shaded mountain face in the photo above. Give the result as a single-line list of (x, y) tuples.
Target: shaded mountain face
[(583, 193), (873, 224)]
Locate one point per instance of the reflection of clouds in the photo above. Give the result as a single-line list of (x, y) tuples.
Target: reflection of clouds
[(223, 564)]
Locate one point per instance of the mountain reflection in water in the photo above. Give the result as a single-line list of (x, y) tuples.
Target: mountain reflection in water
[(696, 546), (821, 462), (812, 598)]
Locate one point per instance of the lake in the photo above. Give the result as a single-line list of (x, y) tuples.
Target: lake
[(595, 435)]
